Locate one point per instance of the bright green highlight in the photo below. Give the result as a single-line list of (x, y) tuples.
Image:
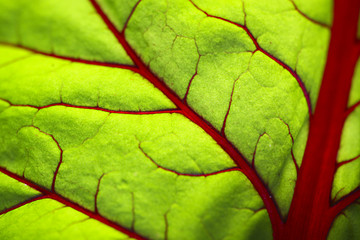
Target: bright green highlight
[(24, 149), (163, 33), (47, 219), (215, 207), (350, 139), (347, 176), (346, 226), (267, 106), (298, 42), (215, 85), (45, 80), (13, 192), (119, 154), (232, 10), (221, 59), (171, 140), (318, 10), (117, 10), (128, 167), (347, 179), (66, 28)]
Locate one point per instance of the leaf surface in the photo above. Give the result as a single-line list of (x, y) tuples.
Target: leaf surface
[(13, 192), (48, 219), (178, 119), (69, 28), (130, 163), (345, 225)]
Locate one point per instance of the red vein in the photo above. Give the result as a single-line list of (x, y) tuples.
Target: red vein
[(307, 17), (187, 174), (128, 19), (346, 161), (97, 194), (254, 153), (60, 161), (192, 78), (258, 48), (228, 110), (22, 204), (106, 64), (67, 202), (292, 152), (95, 108), (344, 202), (194, 117), (352, 108)]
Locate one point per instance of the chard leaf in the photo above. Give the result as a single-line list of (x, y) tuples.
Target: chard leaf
[(179, 119)]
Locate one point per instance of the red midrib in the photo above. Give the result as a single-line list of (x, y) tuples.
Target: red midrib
[(311, 215)]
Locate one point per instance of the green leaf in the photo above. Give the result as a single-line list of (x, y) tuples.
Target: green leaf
[(167, 119), (48, 219), (346, 224), (133, 168), (355, 89), (242, 77), (72, 29), (347, 177), (13, 192)]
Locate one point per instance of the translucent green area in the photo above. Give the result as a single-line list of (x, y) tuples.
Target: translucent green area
[(13, 192), (355, 87), (66, 28), (25, 150), (117, 10), (318, 10), (47, 219), (45, 80), (346, 224), (216, 207), (347, 176), (171, 140), (117, 155), (298, 42), (350, 139), (268, 108), (221, 60), (232, 10), (291, 38), (166, 39)]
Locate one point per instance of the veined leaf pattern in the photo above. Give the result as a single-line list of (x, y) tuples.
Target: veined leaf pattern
[(179, 119)]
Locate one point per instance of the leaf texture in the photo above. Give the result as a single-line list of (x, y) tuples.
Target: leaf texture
[(178, 119)]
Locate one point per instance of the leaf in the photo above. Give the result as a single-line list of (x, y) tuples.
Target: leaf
[(345, 225), (55, 220), (110, 148), (68, 34), (13, 192), (179, 119)]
